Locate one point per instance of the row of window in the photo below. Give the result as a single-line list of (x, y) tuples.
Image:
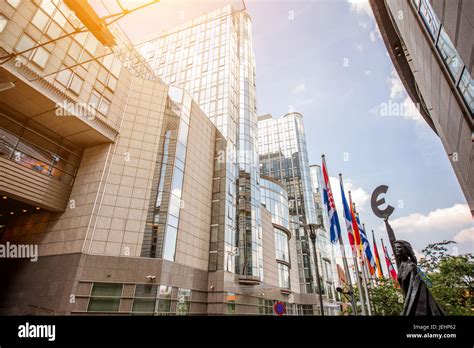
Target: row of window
[(456, 67), (148, 299)]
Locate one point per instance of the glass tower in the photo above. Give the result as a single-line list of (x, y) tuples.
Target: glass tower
[(284, 157), (211, 57)]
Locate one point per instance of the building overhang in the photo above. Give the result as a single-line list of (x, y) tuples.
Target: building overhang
[(34, 98)]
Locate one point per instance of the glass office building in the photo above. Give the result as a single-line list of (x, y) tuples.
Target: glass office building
[(211, 57), (284, 157)]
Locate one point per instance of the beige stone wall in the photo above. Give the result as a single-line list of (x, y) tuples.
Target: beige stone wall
[(294, 276), (192, 246), (270, 268), (122, 209)]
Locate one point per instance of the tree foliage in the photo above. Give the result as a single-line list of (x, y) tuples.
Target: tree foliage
[(386, 298)]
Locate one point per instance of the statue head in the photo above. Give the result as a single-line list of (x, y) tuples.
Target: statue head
[(404, 250)]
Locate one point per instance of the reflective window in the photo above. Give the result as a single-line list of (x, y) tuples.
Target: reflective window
[(183, 303), (164, 300), (449, 54), (3, 22), (429, 17), (14, 3), (48, 6), (76, 84), (466, 87), (64, 76), (24, 44), (54, 31), (283, 276), (104, 106), (41, 57), (40, 19), (230, 303), (281, 245), (105, 297)]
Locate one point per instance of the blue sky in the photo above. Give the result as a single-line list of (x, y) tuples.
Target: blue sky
[(326, 60)]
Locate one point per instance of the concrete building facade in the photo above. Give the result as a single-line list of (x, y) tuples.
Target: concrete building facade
[(431, 43)]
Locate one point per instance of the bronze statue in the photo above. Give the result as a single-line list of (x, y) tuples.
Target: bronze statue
[(418, 299)]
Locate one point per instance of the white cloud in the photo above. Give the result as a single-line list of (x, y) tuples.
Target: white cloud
[(465, 236), (457, 216), (361, 7), (359, 196), (410, 111), (375, 34), (397, 90), (367, 72), (298, 89)]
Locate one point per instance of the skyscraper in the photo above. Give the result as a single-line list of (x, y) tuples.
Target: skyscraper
[(284, 157), (211, 57), (431, 46)]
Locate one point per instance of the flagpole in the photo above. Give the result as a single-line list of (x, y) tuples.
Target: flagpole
[(365, 274), (388, 257), (371, 279), (367, 294), (379, 263), (344, 259), (356, 264)]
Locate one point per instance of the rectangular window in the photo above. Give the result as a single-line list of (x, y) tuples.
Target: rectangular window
[(164, 300), (183, 304), (230, 303), (104, 106), (105, 297), (466, 88), (41, 57), (24, 44), (3, 22), (76, 84), (429, 17), (64, 76), (143, 306), (40, 19), (449, 54), (14, 3)]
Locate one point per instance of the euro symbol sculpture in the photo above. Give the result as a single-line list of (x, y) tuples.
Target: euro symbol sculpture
[(376, 203)]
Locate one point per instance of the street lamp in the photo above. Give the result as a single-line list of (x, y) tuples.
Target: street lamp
[(312, 234)]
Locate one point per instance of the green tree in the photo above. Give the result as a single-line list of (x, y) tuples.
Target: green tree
[(451, 276), (386, 298), (453, 284)]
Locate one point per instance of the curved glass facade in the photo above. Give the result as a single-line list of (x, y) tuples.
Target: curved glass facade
[(283, 276), (281, 245), (275, 198), (284, 156)]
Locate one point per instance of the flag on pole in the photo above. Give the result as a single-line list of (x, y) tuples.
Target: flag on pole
[(377, 257), (347, 218), (366, 247), (355, 227), (391, 270), (335, 228)]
